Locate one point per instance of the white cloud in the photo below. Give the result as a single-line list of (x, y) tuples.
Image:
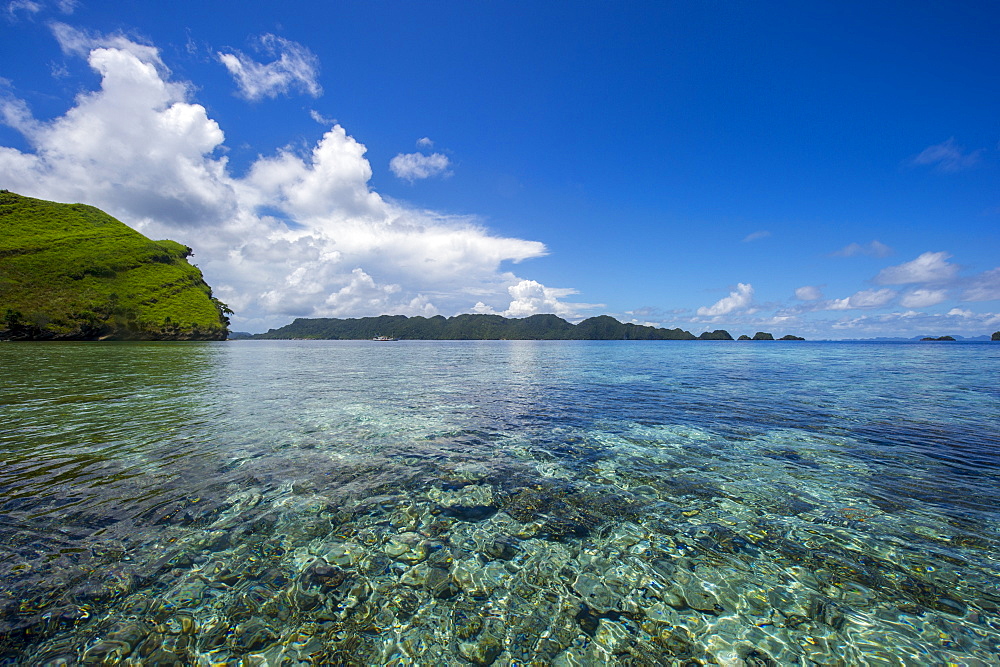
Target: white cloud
[(295, 67), (320, 118), (756, 236), (157, 165), (808, 293), (863, 299), (299, 234), (923, 298), (872, 248), (947, 156), (912, 323), (80, 43), (27, 6), (15, 113), (414, 166), (361, 294), (738, 299), (984, 287), (332, 180), (529, 297), (425, 142), (872, 298), (929, 267)]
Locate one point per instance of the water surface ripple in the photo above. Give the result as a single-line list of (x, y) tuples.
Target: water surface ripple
[(499, 502)]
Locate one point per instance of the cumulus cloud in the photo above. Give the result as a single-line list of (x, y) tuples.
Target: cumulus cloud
[(756, 236), (424, 142), (295, 68), (808, 293), (947, 156), (416, 166), (738, 299), (529, 297), (923, 298), (929, 267), (157, 165), (863, 299), (363, 294), (302, 233), (872, 248)]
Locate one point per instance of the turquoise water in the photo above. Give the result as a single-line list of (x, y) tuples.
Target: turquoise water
[(499, 502)]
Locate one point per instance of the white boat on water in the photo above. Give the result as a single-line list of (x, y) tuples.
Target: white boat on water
[(384, 339)]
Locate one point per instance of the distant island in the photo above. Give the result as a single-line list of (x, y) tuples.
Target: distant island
[(73, 272), (485, 327), (919, 339), (761, 335)]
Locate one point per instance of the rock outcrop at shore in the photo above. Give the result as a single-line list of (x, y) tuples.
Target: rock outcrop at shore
[(995, 336), (73, 272)]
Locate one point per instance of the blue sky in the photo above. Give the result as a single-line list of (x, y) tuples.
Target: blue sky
[(826, 169)]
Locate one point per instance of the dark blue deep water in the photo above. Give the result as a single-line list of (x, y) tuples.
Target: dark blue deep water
[(500, 502)]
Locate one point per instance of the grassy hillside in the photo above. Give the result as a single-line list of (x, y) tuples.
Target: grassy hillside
[(72, 272)]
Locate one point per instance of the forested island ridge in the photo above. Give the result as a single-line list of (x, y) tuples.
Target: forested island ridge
[(487, 327)]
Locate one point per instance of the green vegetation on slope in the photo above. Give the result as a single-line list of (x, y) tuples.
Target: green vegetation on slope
[(72, 272), (718, 334), (485, 327), (472, 327)]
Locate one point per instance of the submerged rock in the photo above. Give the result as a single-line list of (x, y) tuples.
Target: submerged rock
[(252, 635), (407, 547), (486, 647)]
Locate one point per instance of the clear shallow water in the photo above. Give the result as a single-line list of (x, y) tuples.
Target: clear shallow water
[(499, 502)]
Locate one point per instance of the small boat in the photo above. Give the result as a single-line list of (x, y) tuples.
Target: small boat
[(384, 339)]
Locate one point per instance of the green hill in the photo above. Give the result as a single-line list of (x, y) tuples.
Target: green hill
[(72, 272), (472, 327)]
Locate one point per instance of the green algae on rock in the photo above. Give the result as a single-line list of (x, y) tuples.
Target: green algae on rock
[(73, 272)]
